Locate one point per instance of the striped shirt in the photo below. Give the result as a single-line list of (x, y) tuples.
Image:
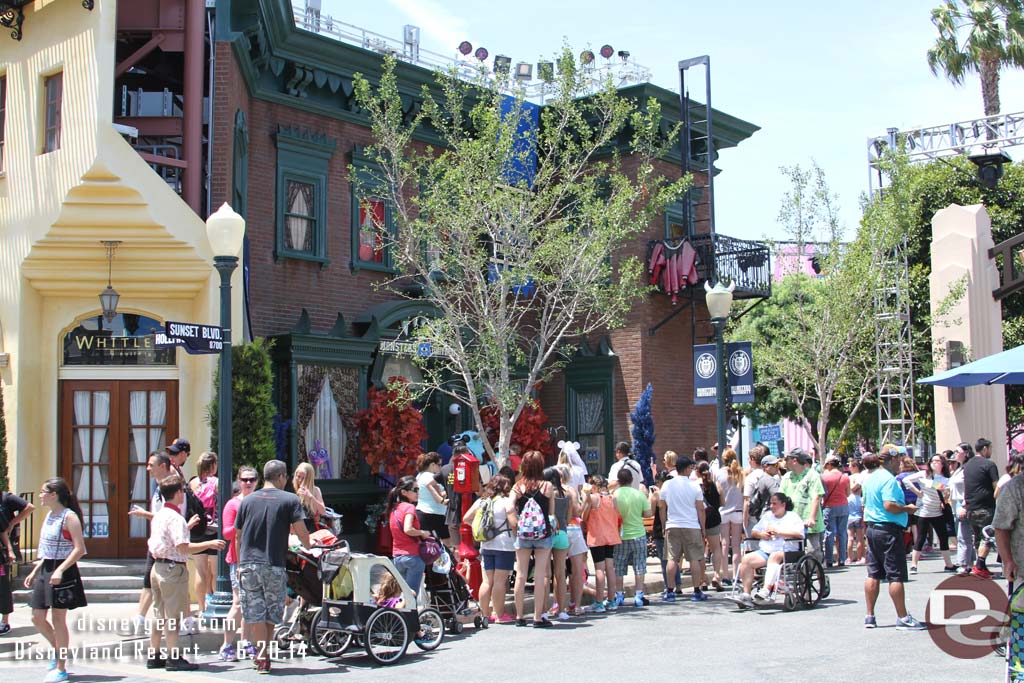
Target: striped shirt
[(54, 540)]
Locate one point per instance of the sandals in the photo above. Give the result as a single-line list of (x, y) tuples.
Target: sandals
[(717, 585)]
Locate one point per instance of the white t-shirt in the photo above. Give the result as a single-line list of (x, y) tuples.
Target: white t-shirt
[(789, 523), (505, 541), (732, 496), (681, 496), (634, 468), (750, 480), (956, 486)]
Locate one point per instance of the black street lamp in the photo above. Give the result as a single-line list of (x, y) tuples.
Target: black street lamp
[(719, 301), (225, 229)]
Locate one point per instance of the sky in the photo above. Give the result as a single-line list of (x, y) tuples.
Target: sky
[(819, 78)]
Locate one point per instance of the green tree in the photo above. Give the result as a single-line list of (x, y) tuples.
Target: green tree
[(518, 262), (813, 340), (978, 36), (252, 408)]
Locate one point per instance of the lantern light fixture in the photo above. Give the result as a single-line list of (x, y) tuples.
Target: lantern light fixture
[(109, 296)]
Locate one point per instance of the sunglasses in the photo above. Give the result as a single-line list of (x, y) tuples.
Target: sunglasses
[(247, 480)]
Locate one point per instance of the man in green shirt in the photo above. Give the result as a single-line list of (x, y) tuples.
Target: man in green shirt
[(633, 506), (803, 486)]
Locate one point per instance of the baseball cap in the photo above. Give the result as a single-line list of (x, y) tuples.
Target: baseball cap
[(833, 458), (180, 445), (769, 460), (800, 455)]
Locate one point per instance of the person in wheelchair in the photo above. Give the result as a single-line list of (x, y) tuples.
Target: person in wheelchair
[(776, 530)]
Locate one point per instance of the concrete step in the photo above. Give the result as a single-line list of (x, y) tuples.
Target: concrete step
[(104, 580)]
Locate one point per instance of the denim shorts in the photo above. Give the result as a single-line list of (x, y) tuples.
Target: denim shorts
[(534, 543), (502, 560)]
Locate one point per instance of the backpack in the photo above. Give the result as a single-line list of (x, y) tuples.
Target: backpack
[(534, 523), (207, 495), (194, 506), (763, 490), (484, 527)]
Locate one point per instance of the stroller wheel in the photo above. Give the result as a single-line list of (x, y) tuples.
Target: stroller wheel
[(456, 626), (327, 642), (432, 628), (480, 622)]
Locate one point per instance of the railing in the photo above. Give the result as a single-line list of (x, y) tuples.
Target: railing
[(24, 539), (744, 262)]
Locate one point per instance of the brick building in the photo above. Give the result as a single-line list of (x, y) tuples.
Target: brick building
[(285, 130)]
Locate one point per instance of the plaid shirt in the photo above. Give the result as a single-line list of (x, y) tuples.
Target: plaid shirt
[(167, 532)]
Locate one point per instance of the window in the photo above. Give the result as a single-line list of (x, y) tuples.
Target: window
[(302, 164), (3, 118), (681, 216), (373, 223), (54, 86)]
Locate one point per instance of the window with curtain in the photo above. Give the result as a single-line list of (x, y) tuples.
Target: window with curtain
[(590, 407), (325, 436), (301, 193), (90, 464), (300, 217), (148, 415), (371, 223)]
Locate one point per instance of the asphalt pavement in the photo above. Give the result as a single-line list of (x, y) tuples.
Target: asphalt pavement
[(714, 640)]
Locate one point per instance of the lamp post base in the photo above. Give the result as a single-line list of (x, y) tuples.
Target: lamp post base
[(217, 607)]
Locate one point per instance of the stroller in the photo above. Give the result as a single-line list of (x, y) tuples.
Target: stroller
[(308, 582), (449, 594)]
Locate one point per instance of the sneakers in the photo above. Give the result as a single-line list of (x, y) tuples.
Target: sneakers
[(181, 664), (543, 623), (909, 623), (263, 666), (668, 596), (139, 625), (699, 596), (4, 629), (620, 599), (638, 599), (521, 622), (869, 621), (762, 597), (610, 606), (52, 665), (981, 572), (189, 626), (596, 608), (743, 600), (249, 649), (227, 653), (156, 662), (951, 569), (563, 616), (963, 571), (913, 570), (56, 676), (505, 619)]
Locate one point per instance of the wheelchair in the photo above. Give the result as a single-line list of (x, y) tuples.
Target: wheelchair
[(801, 583)]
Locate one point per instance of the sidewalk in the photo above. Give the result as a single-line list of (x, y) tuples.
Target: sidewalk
[(110, 624)]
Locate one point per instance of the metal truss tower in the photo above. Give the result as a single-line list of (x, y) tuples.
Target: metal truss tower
[(893, 341)]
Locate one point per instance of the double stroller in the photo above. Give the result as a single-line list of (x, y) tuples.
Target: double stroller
[(449, 594)]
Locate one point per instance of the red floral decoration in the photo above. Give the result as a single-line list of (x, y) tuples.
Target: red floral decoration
[(391, 430), (530, 430)]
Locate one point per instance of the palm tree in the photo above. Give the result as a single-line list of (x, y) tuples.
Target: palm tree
[(978, 36)]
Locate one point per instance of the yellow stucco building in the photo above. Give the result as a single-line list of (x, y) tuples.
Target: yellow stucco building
[(87, 398)]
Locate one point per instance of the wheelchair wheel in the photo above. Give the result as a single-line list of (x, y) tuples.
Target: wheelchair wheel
[(327, 642), (432, 626), (387, 636), (790, 603), (810, 581)]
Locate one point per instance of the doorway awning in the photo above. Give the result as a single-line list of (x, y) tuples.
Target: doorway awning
[(1006, 367)]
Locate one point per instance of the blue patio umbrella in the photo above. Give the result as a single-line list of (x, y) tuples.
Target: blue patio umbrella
[(1006, 367)]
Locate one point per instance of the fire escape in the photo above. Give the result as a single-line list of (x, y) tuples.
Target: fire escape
[(161, 87)]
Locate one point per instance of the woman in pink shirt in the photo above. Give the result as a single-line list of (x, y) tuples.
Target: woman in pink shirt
[(247, 480), (406, 532)]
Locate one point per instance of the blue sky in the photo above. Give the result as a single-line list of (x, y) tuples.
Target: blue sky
[(818, 77)]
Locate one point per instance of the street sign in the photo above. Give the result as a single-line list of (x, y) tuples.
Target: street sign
[(769, 433), (194, 338)]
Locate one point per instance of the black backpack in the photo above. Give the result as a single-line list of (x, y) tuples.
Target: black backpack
[(194, 506), (763, 490)]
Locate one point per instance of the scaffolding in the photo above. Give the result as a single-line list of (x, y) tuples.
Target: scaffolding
[(893, 340)]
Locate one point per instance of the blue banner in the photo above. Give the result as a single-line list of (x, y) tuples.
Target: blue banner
[(741, 372), (705, 375)]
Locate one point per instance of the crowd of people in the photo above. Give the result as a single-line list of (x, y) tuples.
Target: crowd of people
[(541, 522)]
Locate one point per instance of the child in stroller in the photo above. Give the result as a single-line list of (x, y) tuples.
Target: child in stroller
[(450, 595), (306, 587)]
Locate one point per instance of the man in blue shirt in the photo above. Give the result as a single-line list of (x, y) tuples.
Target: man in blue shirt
[(885, 512)]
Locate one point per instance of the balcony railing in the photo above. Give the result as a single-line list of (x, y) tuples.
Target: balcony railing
[(746, 263)]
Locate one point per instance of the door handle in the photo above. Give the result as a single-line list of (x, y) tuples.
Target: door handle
[(113, 487)]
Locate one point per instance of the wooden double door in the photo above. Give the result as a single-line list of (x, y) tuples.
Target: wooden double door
[(107, 430)]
